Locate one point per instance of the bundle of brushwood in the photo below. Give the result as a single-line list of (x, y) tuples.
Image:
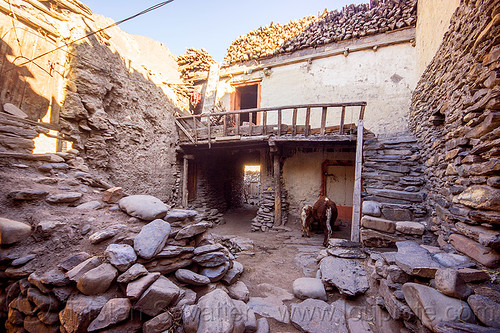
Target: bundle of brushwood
[(353, 21), (194, 64)]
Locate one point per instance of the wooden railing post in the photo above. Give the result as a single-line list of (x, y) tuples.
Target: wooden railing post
[(323, 120), (237, 116), (264, 122), (195, 125), (294, 122), (279, 122), (308, 120), (225, 125), (250, 124), (342, 117)]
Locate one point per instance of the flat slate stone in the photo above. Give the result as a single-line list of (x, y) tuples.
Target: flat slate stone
[(192, 230), (192, 278), (432, 307), (485, 309), (346, 274), (79, 312), (176, 215), (233, 274), (239, 291), (415, 260), (114, 311), (76, 272), (215, 273), (304, 288), (379, 224), (211, 259), (222, 320), (73, 260), (450, 283), (89, 205), (26, 195), (64, 197), (452, 260), (157, 297), (138, 286), (347, 253), (122, 256), (97, 280), (313, 315), (270, 307), (152, 238), (453, 327), (371, 208), (134, 272), (172, 251), (144, 207)]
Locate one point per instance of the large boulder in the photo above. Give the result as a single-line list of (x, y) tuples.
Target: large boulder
[(80, 311), (13, 231), (144, 207), (152, 238), (346, 274), (122, 256), (309, 288), (450, 283), (114, 311), (157, 297), (432, 307), (161, 323), (486, 310)]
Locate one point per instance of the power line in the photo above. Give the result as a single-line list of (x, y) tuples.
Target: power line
[(150, 9)]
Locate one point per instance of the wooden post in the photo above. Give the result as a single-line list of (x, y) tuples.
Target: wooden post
[(195, 129), (185, 194), (250, 124), (294, 122), (277, 189), (323, 120), (308, 119), (279, 122), (342, 117), (264, 122), (356, 215), (237, 124), (225, 125), (209, 131)]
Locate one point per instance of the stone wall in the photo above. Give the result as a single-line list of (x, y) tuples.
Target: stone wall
[(455, 116), (393, 195), (118, 117)]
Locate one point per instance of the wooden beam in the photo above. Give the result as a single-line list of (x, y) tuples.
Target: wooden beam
[(184, 130), (356, 215), (195, 129), (277, 190)]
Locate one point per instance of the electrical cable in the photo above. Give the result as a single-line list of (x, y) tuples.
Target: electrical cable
[(159, 5)]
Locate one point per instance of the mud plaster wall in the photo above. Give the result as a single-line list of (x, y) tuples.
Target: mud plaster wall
[(433, 20), (385, 79), (455, 115), (118, 117), (302, 178)]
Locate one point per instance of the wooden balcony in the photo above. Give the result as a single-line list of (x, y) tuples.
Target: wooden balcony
[(309, 122)]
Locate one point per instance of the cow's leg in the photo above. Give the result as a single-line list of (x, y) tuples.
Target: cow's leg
[(327, 228), (303, 220)]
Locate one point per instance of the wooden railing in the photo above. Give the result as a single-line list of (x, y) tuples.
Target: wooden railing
[(265, 122)]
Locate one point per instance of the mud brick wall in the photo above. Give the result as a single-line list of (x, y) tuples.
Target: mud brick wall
[(393, 195), (455, 114)]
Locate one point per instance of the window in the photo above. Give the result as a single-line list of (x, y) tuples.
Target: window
[(246, 96)]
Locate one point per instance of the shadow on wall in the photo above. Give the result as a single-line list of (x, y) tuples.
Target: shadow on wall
[(120, 121), (14, 86)]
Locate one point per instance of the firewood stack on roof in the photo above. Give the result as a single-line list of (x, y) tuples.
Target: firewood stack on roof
[(353, 21)]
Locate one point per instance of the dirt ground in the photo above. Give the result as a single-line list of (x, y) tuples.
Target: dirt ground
[(279, 257)]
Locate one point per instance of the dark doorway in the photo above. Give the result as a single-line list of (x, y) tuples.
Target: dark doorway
[(246, 96)]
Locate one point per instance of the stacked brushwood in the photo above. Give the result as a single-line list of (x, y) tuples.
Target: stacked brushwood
[(329, 27), (194, 64)]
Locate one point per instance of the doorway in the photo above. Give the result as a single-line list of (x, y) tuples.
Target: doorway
[(246, 96)]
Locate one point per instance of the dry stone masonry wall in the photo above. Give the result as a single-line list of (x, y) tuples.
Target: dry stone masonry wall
[(353, 21), (393, 196), (455, 116)]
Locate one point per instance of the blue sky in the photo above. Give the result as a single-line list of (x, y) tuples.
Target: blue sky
[(208, 24)]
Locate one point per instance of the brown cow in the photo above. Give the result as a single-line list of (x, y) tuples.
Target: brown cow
[(325, 212)]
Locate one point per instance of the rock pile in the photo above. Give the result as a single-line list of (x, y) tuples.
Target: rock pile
[(454, 114), (194, 64), (264, 220), (432, 290), (394, 195), (148, 282), (353, 21)]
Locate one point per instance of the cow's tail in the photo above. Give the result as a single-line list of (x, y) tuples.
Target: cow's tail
[(329, 220)]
